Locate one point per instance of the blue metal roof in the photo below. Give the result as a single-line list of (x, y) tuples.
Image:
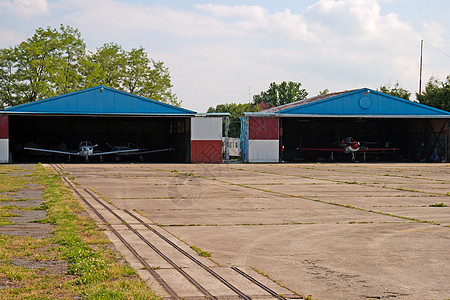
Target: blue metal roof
[(100, 100), (361, 102)]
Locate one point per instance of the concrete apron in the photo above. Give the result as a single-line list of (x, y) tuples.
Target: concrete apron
[(171, 276), (331, 231)]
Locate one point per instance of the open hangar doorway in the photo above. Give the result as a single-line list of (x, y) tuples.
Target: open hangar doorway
[(65, 132), (415, 139)]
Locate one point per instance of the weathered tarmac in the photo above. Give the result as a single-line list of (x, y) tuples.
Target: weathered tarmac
[(332, 231)]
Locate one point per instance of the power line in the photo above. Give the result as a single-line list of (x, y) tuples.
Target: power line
[(437, 49)]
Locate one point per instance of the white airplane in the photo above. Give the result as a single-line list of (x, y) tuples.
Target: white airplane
[(86, 150)]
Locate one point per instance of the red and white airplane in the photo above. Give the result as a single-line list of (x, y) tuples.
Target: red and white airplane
[(348, 145)]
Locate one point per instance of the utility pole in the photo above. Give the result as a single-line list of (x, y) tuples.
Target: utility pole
[(420, 75)]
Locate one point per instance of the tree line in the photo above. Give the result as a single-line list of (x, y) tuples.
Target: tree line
[(55, 61)]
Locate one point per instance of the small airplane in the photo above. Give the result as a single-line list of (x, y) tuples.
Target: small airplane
[(349, 145), (86, 150)]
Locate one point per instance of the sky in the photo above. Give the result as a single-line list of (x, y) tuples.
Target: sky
[(227, 51)]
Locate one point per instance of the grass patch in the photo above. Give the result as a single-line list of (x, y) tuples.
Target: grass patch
[(5, 214), (201, 252), (93, 269), (10, 179), (438, 205)]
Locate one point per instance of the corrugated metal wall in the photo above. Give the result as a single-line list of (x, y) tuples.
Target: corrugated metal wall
[(206, 140), (4, 139), (263, 140)]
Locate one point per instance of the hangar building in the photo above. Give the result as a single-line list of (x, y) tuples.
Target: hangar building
[(106, 116), (398, 129)]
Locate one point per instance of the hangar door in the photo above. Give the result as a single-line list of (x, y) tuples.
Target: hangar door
[(66, 133), (415, 139)]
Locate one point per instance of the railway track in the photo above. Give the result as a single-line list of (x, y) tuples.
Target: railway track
[(208, 283)]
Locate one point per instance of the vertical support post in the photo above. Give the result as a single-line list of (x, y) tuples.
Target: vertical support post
[(244, 138), (445, 158), (227, 144), (280, 134)]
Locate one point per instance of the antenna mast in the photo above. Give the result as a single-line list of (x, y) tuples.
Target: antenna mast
[(420, 75)]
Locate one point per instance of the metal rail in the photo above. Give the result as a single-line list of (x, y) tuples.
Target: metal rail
[(270, 291), (175, 266), (206, 268), (158, 278)]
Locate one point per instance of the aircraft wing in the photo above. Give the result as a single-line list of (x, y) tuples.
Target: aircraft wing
[(50, 151), (361, 149), (323, 149), (116, 152), (366, 149), (146, 151)]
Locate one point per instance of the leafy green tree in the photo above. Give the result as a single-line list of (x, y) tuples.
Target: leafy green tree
[(396, 91), (72, 50), (283, 93), (436, 94), (137, 69), (42, 66), (8, 89), (54, 62), (108, 64), (324, 92), (236, 111), (158, 85)]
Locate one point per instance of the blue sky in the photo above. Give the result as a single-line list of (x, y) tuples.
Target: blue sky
[(227, 51)]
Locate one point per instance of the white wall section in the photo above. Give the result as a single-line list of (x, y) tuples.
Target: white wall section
[(206, 128), (263, 151), (4, 150)]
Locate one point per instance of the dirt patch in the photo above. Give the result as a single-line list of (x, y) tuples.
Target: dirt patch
[(28, 201), (26, 206), (48, 268)]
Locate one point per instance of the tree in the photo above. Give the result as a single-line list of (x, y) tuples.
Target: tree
[(236, 111), (396, 91), (42, 66), (324, 92), (136, 72), (72, 50), (436, 94), (54, 62), (107, 66), (283, 93), (8, 90), (158, 85)]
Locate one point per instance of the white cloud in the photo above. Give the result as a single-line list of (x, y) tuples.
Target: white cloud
[(356, 20), (433, 32), (25, 8), (118, 19), (257, 20)]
